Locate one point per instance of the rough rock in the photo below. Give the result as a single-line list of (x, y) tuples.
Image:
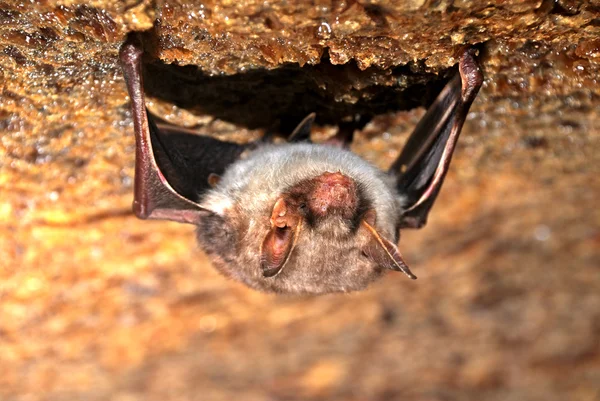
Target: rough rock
[(95, 304)]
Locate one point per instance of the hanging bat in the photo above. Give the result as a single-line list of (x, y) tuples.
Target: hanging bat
[(297, 217)]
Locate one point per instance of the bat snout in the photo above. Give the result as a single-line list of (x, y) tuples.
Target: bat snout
[(334, 193)]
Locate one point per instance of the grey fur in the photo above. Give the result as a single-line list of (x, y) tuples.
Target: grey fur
[(326, 259)]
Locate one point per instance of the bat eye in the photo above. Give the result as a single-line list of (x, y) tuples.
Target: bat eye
[(303, 208)]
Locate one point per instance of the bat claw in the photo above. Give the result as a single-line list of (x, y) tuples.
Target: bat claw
[(131, 51), (470, 75)]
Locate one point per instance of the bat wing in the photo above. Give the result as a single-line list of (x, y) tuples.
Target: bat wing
[(172, 165), (424, 161), (187, 160)]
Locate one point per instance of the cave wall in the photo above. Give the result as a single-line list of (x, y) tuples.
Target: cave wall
[(95, 304)]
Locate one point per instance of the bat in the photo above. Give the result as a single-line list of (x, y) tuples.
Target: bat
[(296, 217)]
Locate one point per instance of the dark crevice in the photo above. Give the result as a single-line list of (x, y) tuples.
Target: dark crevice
[(565, 8), (284, 96)]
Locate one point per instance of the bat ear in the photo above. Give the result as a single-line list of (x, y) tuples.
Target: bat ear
[(381, 250), (302, 131), (280, 241)]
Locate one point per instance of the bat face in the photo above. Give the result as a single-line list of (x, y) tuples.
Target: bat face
[(298, 217)]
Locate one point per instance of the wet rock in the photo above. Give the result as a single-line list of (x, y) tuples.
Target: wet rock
[(96, 304)]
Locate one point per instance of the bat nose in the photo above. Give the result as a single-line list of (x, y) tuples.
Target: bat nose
[(334, 193)]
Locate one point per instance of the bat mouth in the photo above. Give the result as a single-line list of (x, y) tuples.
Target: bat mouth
[(333, 193)]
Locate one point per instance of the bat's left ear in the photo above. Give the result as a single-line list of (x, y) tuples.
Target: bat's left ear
[(381, 250)]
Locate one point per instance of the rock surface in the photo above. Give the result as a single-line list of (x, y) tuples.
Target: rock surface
[(98, 305)]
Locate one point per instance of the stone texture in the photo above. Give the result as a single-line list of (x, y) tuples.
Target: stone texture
[(95, 304)]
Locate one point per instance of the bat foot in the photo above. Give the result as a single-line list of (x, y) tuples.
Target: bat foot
[(131, 52), (470, 75)]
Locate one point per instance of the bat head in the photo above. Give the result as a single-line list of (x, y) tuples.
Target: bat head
[(302, 219)]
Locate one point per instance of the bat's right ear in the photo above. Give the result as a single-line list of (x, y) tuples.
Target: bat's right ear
[(381, 250)]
